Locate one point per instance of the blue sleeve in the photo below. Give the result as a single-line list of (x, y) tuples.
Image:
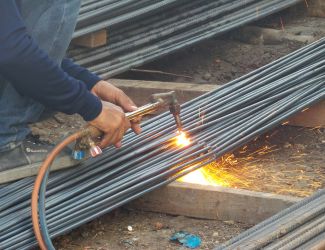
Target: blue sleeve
[(80, 73), (34, 74)]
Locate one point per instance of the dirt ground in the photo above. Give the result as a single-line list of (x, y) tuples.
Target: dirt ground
[(143, 230), (287, 160), (221, 59), (295, 166)]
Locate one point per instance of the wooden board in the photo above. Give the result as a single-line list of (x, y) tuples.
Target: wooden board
[(319, 246), (140, 91), (31, 170), (311, 117), (93, 40), (316, 8), (209, 202)]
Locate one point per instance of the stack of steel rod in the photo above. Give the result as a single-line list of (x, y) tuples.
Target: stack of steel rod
[(110, 13), (146, 30), (217, 122), (301, 226)]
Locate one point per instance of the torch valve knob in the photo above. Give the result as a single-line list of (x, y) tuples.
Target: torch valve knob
[(95, 151)]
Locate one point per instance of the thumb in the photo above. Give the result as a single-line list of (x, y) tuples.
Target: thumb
[(129, 106), (126, 103), (133, 108)]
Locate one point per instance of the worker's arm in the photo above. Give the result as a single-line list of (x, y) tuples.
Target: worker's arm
[(80, 73), (34, 74), (104, 90)]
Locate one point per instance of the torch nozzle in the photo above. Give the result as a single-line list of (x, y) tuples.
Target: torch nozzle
[(175, 109), (178, 122), (174, 106)]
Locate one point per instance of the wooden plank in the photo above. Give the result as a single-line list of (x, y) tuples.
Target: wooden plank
[(31, 170), (319, 246), (209, 202), (311, 117), (93, 40), (316, 8), (140, 92)]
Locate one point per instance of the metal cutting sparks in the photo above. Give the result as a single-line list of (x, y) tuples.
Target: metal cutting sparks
[(257, 170), (199, 176), (182, 140)]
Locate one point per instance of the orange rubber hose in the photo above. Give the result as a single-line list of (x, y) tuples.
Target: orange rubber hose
[(41, 173)]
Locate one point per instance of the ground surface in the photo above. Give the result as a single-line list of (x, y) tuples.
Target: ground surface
[(149, 231), (221, 59), (295, 166), (287, 160)]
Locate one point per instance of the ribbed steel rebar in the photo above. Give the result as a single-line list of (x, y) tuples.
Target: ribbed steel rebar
[(217, 122), (299, 225), (147, 30)]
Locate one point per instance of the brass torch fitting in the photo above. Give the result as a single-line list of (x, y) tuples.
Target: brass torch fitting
[(90, 133)]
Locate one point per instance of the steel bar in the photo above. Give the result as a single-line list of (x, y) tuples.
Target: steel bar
[(217, 123), (293, 228), (142, 31)]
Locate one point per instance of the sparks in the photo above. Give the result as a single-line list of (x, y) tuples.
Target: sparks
[(198, 177), (182, 140)]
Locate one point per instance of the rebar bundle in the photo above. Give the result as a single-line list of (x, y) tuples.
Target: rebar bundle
[(217, 122), (301, 226), (142, 31)]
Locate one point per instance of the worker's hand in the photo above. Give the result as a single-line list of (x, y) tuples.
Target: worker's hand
[(113, 122), (109, 93)]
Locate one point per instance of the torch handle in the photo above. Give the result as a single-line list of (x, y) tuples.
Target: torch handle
[(132, 116), (143, 110)]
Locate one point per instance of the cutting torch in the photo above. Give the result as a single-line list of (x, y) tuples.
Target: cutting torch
[(85, 140), (158, 101)]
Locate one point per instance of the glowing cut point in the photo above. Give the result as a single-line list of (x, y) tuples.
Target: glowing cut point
[(182, 140), (199, 177)]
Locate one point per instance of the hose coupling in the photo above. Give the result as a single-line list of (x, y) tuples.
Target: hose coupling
[(87, 144)]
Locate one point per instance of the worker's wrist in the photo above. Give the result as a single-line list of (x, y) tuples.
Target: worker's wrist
[(98, 84), (92, 107), (92, 80)]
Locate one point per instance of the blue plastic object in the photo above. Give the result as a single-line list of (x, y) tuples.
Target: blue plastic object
[(78, 155), (186, 239)]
